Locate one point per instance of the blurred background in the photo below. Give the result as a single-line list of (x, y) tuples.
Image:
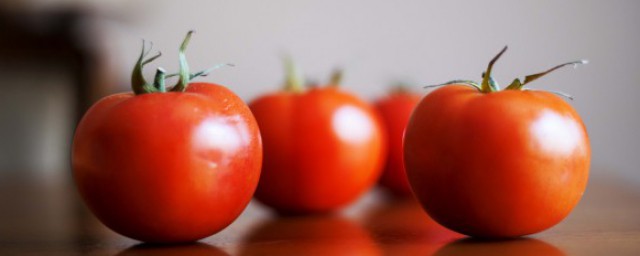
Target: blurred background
[(57, 57)]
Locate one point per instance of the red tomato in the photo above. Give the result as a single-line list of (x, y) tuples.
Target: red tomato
[(395, 111), (323, 148), (491, 163), (168, 167)]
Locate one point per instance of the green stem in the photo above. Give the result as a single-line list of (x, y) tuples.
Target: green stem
[(138, 84), (400, 88), (158, 82), (463, 82), (336, 78), (204, 72), (487, 86), (517, 85), (293, 80), (492, 83), (183, 82), (559, 93)]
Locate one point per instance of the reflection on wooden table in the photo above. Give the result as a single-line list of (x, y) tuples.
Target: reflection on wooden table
[(520, 246), (187, 249), (312, 235), (401, 227), (47, 218)]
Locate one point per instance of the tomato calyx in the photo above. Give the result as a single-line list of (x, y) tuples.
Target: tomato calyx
[(400, 88), (138, 83), (336, 77), (517, 85), (489, 85), (141, 86), (294, 80)]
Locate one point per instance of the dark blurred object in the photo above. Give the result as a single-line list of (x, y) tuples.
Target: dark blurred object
[(52, 71), (52, 36)]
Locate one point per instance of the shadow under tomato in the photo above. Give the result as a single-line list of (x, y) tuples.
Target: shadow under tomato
[(517, 246), (191, 249), (309, 235), (401, 227)]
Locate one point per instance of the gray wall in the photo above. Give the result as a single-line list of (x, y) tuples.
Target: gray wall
[(423, 42)]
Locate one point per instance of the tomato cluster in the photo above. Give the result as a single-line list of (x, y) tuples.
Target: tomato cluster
[(169, 165)]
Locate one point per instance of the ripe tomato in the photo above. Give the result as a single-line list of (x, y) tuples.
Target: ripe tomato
[(395, 110), (167, 167), (491, 163), (323, 148)]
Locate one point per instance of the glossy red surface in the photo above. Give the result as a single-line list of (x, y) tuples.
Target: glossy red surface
[(501, 164), (395, 110), (323, 149), (168, 167)]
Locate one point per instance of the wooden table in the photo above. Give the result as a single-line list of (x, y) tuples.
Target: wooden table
[(47, 218)]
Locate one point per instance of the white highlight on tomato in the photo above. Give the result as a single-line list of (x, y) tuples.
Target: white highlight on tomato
[(556, 133), (352, 124), (224, 134)]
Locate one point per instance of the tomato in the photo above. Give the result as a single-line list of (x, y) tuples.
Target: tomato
[(323, 148), (167, 167), (492, 163), (395, 110)]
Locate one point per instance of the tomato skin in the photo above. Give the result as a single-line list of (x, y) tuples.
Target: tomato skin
[(168, 167), (395, 110), (501, 164), (323, 148)]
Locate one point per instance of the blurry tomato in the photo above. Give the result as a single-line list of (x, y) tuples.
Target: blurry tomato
[(496, 163), (323, 147), (395, 110)]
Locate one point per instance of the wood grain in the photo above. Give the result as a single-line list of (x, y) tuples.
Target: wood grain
[(48, 218)]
